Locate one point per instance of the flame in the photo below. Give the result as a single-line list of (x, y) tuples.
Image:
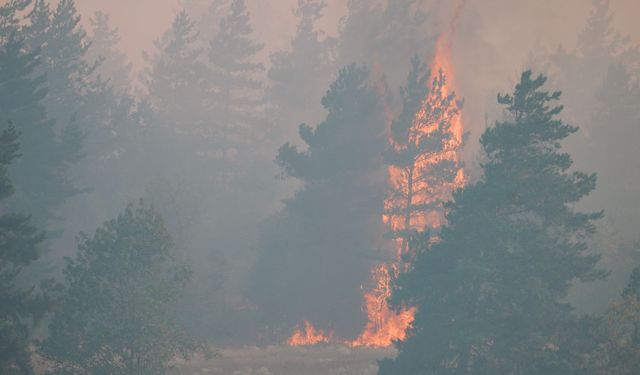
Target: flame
[(384, 324), (308, 335)]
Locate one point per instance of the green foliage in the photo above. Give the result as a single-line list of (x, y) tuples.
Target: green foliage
[(19, 247), (490, 293), (41, 174), (300, 75), (237, 88), (116, 310), (619, 352), (113, 63), (316, 252)]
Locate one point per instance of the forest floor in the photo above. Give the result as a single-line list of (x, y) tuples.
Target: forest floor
[(285, 360)]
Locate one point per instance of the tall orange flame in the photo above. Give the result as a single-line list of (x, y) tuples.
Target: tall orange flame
[(384, 324)]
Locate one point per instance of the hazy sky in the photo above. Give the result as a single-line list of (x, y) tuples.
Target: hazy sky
[(508, 23)]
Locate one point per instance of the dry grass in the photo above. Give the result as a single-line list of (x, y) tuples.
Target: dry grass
[(283, 360)]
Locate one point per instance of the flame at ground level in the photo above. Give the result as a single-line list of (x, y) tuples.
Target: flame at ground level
[(308, 335), (385, 325)]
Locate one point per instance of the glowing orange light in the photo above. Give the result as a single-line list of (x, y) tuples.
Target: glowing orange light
[(308, 335)]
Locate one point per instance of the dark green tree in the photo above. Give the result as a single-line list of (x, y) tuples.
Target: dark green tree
[(317, 252), (490, 294), (19, 247), (41, 175), (61, 43), (116, 308), (9, 17)]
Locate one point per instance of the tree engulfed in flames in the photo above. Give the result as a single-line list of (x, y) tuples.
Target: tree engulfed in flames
[(414, 203)]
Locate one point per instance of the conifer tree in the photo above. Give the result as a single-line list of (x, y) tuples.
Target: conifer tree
[(19, 247), (423, 152), (299, 76), (383, 34), (237, 88), (61, 44), (619, 351), (113, 63), (317, 252), (41, 174), (178, 82), (490, 293)]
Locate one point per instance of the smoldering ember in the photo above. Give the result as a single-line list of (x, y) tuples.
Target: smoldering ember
[(390, 187)]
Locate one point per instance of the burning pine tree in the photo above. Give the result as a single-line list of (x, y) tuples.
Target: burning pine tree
[(424, 168)]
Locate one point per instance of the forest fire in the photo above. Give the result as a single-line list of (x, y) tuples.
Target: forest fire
[(308, 335), (415, 204), (386, 325)]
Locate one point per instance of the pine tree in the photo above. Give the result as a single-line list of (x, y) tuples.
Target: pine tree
[(61, 44), (19, 247), (317, 252), (178, 82), (9, 17), (114, 65), (237, 90), (116, 307), (299, 76), (206, 15), (382, 33), (597, 78), (619, 350), (490, 292), (41, 175), (422, 153)]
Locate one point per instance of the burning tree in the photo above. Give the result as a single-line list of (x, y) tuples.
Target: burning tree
[(422, 157), (316, 253), (423, 170), (490, 293)]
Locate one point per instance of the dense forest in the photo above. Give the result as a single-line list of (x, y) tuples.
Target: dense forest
[(368, 197)]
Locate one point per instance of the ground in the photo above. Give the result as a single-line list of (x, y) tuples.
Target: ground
[(284, 360)]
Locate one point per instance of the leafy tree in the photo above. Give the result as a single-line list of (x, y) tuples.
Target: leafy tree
[(116, 310), (490, 294), (422, 152), (299, 76), (19, 247), (317, 252)]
